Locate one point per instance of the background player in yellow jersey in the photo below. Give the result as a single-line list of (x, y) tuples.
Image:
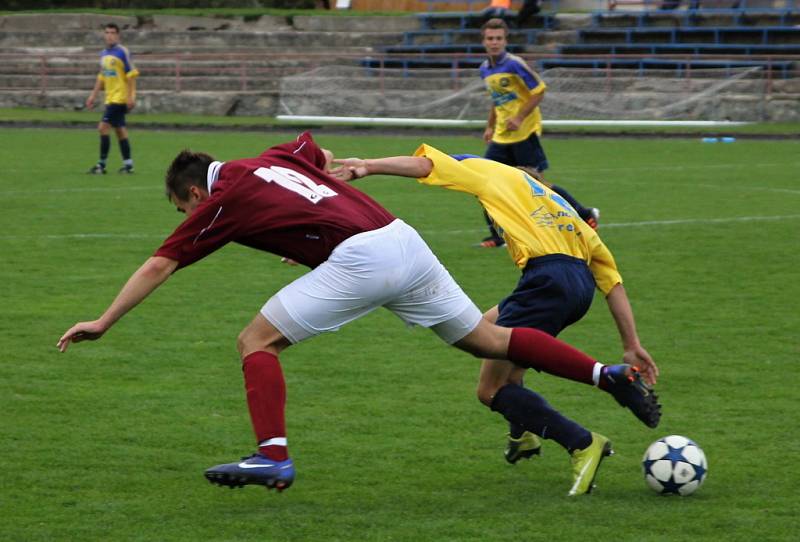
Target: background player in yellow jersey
[(562, 261), (118, 78), (515, 120)]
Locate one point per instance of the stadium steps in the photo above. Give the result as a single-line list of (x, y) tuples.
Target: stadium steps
[(157, 41), (452, 37), (677, 67), (474, 49), (696, 18), (211, 82), (679, 49), (775, 35), (465, 20)]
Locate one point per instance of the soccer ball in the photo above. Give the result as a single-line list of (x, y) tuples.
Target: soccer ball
[(674, 465)]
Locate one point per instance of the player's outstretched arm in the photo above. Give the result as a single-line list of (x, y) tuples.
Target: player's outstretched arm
[(402, 166), (147, 278), (634, 352)]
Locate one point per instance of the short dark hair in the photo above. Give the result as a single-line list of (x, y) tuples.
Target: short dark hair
[(187, 169), (112, 25), (533, 172), (494, 24)]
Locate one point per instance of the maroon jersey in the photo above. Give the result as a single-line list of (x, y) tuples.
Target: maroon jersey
[(281, 202)]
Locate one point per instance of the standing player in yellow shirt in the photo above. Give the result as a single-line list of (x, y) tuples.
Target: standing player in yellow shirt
[(515, 121), (562, 260), (118, 78)]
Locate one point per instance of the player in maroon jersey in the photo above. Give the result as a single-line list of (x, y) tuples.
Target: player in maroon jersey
[(362, 258)]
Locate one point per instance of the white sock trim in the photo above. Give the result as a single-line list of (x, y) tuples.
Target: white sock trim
[(276, 441), (596, 373)]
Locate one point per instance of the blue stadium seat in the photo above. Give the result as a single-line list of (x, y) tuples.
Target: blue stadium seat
[(729, 35), (679, 49)]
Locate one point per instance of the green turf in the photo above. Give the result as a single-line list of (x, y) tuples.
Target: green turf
[(44, 118), (109, 441)]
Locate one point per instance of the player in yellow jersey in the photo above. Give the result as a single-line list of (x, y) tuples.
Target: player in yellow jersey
[(562, 261), (118, 78), (515, 121)]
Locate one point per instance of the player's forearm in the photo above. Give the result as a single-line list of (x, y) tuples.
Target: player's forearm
[(530, 105), (622, 313), (98, 84), (492, 118), (144, 280), (132, 89), (403, 166)]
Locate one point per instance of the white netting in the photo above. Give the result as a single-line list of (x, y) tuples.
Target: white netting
[(573, 93), (710, 94)]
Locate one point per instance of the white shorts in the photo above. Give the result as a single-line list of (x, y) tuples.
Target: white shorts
[(389, 267)]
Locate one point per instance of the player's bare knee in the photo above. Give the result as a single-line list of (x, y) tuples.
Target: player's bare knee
[(260, 337), (486, 394), (248, 342)]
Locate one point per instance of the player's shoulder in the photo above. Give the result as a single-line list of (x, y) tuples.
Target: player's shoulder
[(517, 61)]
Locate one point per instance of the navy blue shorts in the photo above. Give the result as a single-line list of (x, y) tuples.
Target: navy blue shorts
[(115, 115), (553, 292), (523, 153)]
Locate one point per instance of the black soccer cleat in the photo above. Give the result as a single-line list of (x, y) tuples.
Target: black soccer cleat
[(125, 170), (97, 169), (253, 470), (625, 383)]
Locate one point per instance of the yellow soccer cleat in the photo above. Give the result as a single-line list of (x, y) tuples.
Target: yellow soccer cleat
[(586, 462), (524, 447)]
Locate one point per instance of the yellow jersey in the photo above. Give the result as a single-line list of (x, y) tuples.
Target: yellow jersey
[(511, 83), (116, 69), (533, 220)]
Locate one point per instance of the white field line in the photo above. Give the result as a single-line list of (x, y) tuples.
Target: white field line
[(566, 170), (646, 223), (675, 167), (45, 191)]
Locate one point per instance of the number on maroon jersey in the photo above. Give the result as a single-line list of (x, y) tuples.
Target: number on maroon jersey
[(296, 182)]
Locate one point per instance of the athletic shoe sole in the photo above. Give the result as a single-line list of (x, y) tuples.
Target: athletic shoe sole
[(235, 481), (639, 398)]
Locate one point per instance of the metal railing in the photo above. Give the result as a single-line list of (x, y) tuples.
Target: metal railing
[(244, 72)]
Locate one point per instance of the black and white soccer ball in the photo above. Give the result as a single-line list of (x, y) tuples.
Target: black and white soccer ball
[(674, 465)]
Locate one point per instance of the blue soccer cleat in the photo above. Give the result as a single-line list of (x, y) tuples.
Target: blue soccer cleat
[(253, 470), (625, 383)]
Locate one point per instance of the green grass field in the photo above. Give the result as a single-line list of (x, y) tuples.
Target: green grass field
[(109, 441)]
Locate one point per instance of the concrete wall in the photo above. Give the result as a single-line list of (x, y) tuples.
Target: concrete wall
[(355, 92)]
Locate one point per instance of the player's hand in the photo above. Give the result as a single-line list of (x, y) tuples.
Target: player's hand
[(640, 358), (89, 102), (131, 104), (488, 133), (82, 331), (289, 261), (513, 124), (349, 169)]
